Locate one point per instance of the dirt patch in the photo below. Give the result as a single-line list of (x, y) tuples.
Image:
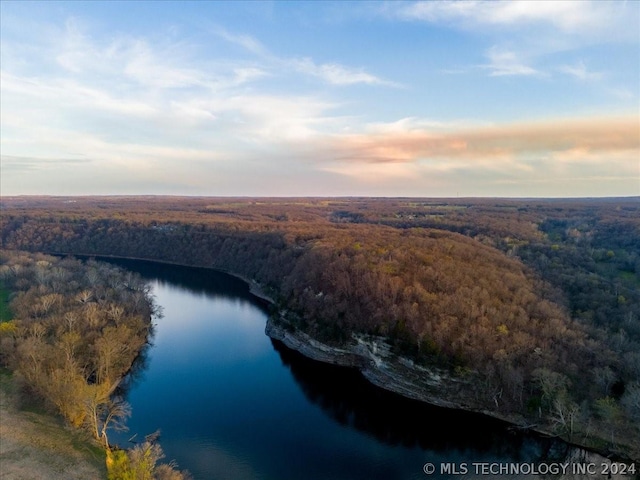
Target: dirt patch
[(35, 445)]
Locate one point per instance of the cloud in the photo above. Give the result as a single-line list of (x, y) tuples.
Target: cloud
[(332, 73), (565, 16), (201, 115), (506, 143), (68, 93), (622, 93), (336, 74), (11, 163), (524, 32), (137, 65), (275, 118), (132, 59), (126, 96), (562, 157), (580, 72), (247, 42), (507, 63)]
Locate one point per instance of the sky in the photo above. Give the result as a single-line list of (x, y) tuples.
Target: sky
[(427, 99)]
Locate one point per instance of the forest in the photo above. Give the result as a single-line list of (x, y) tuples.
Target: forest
[(71, 331), (536, 301)]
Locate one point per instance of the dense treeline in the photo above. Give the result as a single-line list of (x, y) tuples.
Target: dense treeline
[(536, 300), (76, 330)]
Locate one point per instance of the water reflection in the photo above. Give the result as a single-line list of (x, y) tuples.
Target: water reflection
[(138, 369), (445, 436), (232, 403), (199, 281), (349, 399)]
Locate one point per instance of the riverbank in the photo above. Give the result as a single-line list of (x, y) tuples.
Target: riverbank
[(90, 323), (372, 356), (254, 287), (36, 445), (436, 386)]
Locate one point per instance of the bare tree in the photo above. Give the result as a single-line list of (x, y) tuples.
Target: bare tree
[(104, 413)]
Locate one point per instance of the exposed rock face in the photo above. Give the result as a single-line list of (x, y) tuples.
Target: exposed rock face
[(372, 356), (311, 348)]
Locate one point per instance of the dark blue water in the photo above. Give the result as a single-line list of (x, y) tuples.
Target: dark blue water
[(233, 404)]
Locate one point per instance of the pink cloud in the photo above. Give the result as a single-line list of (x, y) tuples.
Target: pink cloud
[(501, 142)]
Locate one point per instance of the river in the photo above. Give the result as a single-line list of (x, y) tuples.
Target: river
[(231, 403)]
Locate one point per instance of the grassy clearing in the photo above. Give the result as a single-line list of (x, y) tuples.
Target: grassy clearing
[(612, 273), (36, 445), (5, 311)]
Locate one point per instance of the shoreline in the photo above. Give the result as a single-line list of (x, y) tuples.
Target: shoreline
[(254, 287), (370, 356), (431, 385)]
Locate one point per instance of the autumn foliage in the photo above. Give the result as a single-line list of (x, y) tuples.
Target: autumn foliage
[(538, 299)]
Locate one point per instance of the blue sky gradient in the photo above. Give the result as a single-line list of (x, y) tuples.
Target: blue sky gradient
[(439, 98)]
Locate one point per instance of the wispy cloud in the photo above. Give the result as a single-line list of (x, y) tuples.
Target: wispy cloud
[(563, 15), (67, 93), (507, 63), (580, 71), (11, 163), (117, 95), (216, 109), (527, 32), (623, 93), (332, 73), (247, 42), (336, 74)]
